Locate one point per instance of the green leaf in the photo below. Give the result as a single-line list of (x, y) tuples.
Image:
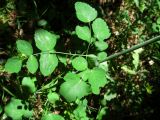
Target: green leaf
[(16, 109), (28, 83), (92, 61), (71, 76), (62, 59), (128, 70), (52, 116), (79, 63), (24, 47), (32, 64), (100, 29), (53, 97), (84, 74), (102, 56), (83, 33), (13, 65), (74, 88), (48, 63), (42, 22), (101, 45), (158, 20), (97, 79), (85, 12), (45, 40), (80, 111)]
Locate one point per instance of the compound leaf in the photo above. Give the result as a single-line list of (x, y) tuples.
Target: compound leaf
[(32, 64), (79, 63), (100, 29), (13, 65), (48, 63), (97, 79), (83, 33), (24, 47), (74, 88), (45, 40), (85, 12)]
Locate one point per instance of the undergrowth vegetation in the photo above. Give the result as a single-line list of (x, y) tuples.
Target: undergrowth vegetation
[(68, 60)]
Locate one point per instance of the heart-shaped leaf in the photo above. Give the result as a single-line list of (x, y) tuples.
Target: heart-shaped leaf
[(100, 29), (74, 88), (85, 12)]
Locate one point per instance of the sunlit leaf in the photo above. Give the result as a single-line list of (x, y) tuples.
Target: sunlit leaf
[(85, 12), (53, 97), (97, 79), (79, 63), (13, 65), (48, 63), (45, 40), (24, 47), (52, 116), (83, 33), (74, 88), (101, 45), (100, 29), (29, 84), (32, 64), (16, 109), (102, 56)]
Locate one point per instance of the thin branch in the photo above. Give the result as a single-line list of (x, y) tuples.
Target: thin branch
[(152, 40)]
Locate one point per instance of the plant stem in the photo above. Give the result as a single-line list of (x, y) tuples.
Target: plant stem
[(63, 53), (132, 48)]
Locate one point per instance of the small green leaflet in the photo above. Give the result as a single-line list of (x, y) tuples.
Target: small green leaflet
[(83, 33), (45, 40), (11, 109), (71, 76), (85, 12), (52, 116), (74, 88), (80, 111), (53, 97), (102, 56), (97, 79), (84, 74), (79, 63), (24, 47), (100, 29), (101, 45), (48, 63), (32, 64), (13, 65), (28, 83)]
